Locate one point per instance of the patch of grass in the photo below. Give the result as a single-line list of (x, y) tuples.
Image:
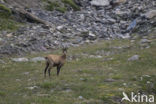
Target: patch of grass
[(85, 77), (61, 9), (60, 6), (72, 4), (147, 83), (52, 5), (4, 11), (46, 85), (8, 24), (2, 94), (6, 21)]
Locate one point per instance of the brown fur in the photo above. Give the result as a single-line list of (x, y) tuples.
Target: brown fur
[(55, 61)]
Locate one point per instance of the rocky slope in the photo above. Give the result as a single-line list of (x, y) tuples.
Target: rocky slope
[(97, 19)]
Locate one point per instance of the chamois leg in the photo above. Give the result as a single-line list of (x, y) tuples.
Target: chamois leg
[(58, 70), (49, 69), (47, 65)]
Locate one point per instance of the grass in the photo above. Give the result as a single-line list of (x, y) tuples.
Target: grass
[(6, 21), (8, 24), (72, 4), (4, 11), (52, 5), (61, 6), (84, 77), (61, 9)]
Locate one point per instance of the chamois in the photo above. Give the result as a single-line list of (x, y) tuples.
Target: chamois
[(55, 61)]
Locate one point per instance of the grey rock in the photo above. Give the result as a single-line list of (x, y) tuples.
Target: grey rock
[(68, 90), (1, 61), (32, 87), (97, 56), (26, 73), (109, 80), (60, 27), (80, 97), (116, 2), (18, 80), (133, 58), (23, 59), (43, 95), (150, 14), (91, 34), (82, 79), (1, 39), (2, 1), (132, 25), (37, 59), (144, 41), (100, 2)]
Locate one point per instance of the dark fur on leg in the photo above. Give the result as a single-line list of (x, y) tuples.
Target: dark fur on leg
[(58, 70), (45, 70)]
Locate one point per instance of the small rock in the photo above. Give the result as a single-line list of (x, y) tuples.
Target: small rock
[(93, 56), (68, 90), (60, 27), (109, 80), (135, 57), (43, 95), (121, 89), (108, 59), (150, 14), (91, 34), (1, 61), (9, 35), (87, 41), (1, 39), (132, 25), (31, 88), (116, 2), (18, 80), (145, 41), (125, 84), (23, 59), (52, 90), (80, 97), (37, 59), (99, 2), (2, 1), (26, 73), (82, 79), (146, 76)]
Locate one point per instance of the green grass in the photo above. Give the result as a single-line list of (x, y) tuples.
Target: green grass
[(6, 21), (8, 24), (4, 11), (52, 5), (84, 77), (61, 9), (60, 6), (72, 4)]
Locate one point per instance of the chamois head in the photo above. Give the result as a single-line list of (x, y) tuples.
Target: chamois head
[(64, 50)]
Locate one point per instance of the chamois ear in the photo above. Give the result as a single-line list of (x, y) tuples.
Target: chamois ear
[(64, 49)]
